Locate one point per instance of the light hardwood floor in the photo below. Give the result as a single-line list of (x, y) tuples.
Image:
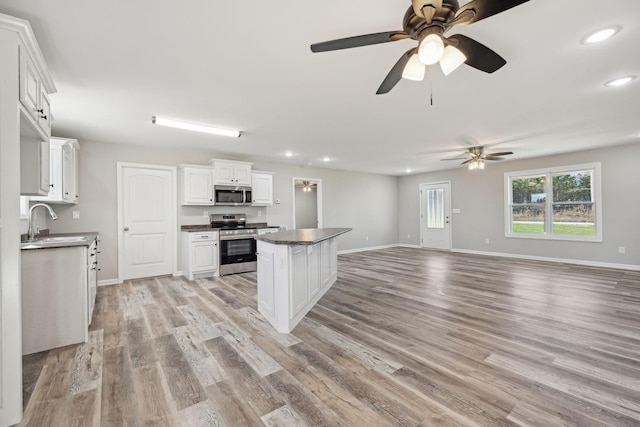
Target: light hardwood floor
[(406, 337)]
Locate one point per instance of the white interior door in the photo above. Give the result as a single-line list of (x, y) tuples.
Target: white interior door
[(147, 204), (435, 215)]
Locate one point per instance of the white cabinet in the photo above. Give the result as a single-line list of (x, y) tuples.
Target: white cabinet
[(33, 95), (63, 155), (200, 254), (58, 296), (292, 278), (261, 188), (34, 166), (197, 185), (230, 172)]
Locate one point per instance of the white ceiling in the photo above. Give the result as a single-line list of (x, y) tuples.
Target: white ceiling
[(247, 65)]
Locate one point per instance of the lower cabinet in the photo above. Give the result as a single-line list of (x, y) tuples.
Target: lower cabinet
[(200, 256), (58, 296), (291, 280)]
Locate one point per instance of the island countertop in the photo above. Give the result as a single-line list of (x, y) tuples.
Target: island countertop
[(302, 236)]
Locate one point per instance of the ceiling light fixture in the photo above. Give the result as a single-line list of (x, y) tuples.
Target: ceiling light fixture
[(194, 127), (601, 34), (451, 59), (414, 70), (620, 81), (408, 170), (431, 49), (326, 159), (476, 164), (288, 154)]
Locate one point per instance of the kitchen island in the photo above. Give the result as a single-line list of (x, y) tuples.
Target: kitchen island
[(295, 269)]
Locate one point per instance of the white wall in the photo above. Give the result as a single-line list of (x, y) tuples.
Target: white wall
[(480, 197), (365, 202)]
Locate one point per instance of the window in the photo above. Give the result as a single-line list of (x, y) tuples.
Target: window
[(557, 203)]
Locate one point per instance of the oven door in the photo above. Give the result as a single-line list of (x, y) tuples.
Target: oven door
[(237, 250)]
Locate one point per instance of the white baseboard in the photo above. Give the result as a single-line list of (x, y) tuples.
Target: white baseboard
[(108, 282), (370, 248), (549, 259)]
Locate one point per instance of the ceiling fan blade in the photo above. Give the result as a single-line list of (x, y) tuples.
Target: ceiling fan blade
[(358, 41), (395, 74), (478, 55), (493, 158), (470, 160), (492, 155), (454, 158), (483, 9)]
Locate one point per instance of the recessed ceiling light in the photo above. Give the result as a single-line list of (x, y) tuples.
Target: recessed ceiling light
[(601, 34), (620, 81), (326, 159), (288, 154), (194, 127), (408, 170)]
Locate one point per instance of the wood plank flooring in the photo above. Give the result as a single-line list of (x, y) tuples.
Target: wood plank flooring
[(406, 337)]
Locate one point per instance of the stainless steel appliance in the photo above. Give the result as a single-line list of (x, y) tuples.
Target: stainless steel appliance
[(230, 195), (237, 243)]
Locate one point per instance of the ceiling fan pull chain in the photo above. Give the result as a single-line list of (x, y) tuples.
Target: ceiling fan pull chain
[(430, 85)]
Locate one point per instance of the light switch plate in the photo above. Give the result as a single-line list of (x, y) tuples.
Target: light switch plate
[(75, 215), (456, 210)]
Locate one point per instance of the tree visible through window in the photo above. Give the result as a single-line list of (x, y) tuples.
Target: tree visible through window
[(557, 203)]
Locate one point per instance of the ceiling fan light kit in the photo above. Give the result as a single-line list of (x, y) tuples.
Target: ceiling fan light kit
[(414, 70), (427, 21)]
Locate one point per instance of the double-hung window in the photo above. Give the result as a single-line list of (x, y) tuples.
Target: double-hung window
[(562, 203)]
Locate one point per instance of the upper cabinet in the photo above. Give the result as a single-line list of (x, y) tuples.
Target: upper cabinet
[(231, 172), (197, 185), (261, 188), (34, 96), (63, 172)]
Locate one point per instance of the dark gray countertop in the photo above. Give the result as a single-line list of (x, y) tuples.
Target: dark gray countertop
[(303, 236), (207, 227), (60, 240)]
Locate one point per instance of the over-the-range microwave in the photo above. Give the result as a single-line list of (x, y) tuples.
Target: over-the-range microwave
[(230, 195)]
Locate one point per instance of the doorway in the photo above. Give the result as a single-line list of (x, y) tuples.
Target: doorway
[(307, 203), (435, 215), (147, 205)]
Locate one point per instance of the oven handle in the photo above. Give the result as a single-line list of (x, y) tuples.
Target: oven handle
[(243, 237)]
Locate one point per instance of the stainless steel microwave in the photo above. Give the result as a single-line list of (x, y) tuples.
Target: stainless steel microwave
[(229, 195)]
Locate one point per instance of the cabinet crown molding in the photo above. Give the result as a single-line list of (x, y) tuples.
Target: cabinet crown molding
[(28, 39)]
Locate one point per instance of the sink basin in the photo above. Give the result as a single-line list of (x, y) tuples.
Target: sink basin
[(63, 239)]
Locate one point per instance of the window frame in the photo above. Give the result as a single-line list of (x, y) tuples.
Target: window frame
[(596, 191)]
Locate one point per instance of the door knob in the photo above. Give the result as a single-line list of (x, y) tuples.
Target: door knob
[(126, 229)]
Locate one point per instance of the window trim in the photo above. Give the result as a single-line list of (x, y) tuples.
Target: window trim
[(596, 189)]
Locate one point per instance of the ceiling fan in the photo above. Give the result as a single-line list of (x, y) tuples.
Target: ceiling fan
[(475, 157), (426, 21)]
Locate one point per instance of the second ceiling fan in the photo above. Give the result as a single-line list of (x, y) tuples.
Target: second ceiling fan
[(426, 21)]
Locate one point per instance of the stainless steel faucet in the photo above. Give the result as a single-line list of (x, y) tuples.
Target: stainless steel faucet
[(30, 233)]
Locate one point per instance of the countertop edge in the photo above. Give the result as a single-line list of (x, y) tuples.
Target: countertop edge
[(275, 239), (36, 244)]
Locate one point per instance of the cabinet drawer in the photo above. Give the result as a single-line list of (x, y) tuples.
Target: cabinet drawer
[(202, 237)]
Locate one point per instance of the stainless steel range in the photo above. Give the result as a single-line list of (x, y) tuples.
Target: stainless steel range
[(237, 243)]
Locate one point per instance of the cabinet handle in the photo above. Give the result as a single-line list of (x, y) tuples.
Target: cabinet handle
[(44, 116), (66, 193), (126, 229), (51, 185), (41, 110)]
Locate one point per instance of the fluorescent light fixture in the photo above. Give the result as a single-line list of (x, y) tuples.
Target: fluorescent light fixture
[(601, 34), (431, 49), (414, 70), (620, 81), (451, 59), (194, 127)]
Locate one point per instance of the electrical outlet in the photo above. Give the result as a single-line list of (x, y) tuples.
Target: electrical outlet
[(621, 250), (205, 213), (75, 215), (486, 241), (366, 238), (259, 212), (408, 236), (277, 201)]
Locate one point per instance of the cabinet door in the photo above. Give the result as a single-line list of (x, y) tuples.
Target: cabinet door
[(68, 174), (29, 85), (204, 256), (242, 174), (298, 289), (44, 167), (197, 186), (261, 189), (315, 279), (224, 173)]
